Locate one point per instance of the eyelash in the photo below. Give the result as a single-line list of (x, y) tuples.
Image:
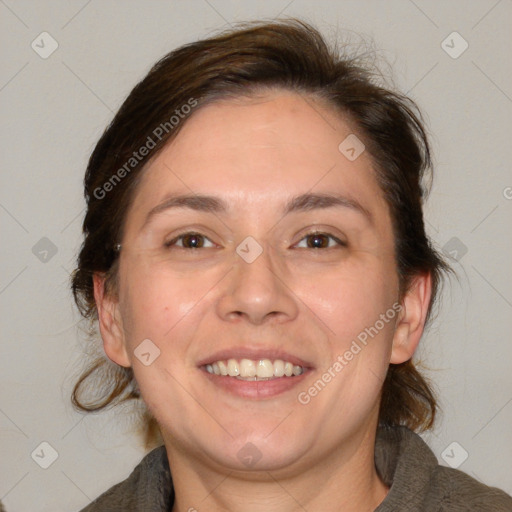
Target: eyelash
[(172, 242)]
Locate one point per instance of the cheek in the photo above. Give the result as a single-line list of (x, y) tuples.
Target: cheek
[(360, 309), (155, 300), (159, 307), (354, 298)]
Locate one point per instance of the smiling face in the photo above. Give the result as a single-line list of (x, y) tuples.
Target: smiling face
[(251, 236)]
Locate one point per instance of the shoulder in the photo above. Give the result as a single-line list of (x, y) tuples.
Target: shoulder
[(457, 491), (149, 487), (419, 484)]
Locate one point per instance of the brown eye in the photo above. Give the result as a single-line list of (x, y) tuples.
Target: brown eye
[(193, 241), (190, 241), (320, 241)]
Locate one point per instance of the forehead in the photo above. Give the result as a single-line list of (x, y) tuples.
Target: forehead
[(258, 150), (277, 128)]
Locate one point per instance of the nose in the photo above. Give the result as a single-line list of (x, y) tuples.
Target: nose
[(257, 292)]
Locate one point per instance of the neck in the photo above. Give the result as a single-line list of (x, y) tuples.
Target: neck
[(345, 480)]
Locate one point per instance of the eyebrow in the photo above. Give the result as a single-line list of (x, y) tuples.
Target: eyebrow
[(301, 203), (307, 202)]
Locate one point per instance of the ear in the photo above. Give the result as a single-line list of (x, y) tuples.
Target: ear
[(411, 320), (110, 323)]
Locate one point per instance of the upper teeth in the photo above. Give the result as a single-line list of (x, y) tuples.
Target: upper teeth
[(247, 368)]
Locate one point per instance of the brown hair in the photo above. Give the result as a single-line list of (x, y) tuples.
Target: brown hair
[(290, 55)]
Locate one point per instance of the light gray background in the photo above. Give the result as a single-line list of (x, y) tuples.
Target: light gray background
[(54, 110)]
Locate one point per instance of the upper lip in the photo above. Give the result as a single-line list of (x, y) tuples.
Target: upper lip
[(254, 354)]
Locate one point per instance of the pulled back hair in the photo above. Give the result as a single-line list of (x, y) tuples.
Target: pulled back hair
[(289, 55)]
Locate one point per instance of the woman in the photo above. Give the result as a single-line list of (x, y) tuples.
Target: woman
[(255, 255)]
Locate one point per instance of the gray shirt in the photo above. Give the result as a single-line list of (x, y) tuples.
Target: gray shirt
[(403, 460)]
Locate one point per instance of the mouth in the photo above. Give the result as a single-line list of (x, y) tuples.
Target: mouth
[(254, 370), (253, 376)]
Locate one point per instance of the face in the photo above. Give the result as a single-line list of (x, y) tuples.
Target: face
[(252, 236)]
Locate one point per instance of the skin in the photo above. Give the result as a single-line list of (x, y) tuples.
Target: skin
[(255, 154)]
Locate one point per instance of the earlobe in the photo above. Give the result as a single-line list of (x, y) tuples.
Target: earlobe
[(110, 323), (411, 322)]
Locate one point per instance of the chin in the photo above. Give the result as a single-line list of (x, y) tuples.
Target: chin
[(260, 452)]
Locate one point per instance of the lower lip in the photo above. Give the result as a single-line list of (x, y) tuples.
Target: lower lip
[(255, 388)]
